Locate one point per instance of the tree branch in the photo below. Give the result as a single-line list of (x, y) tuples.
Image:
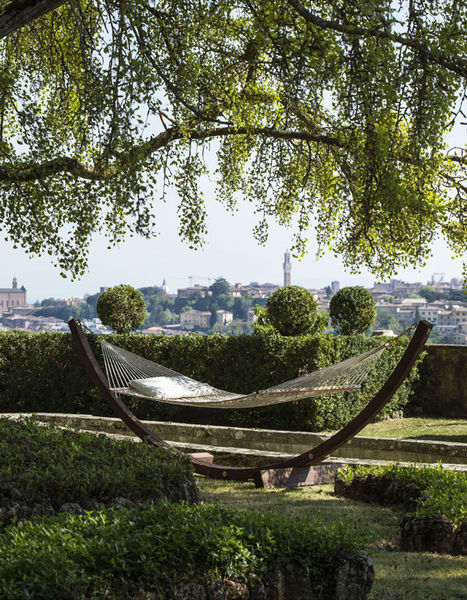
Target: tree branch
[(452, 63), (31, 172), (14, 14)]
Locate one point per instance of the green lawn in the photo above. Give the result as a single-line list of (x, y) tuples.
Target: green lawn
[(446, 430), (399, 575)]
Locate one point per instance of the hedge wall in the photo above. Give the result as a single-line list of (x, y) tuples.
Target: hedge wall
[(42, 373)]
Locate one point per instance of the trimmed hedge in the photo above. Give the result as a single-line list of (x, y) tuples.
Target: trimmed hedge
[(42, 373), (47, 466), (427, 491), (153, 548)]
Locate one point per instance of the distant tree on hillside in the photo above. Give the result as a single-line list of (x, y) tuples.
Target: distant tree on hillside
[(220, 287), (50, 302), (159, 306), (429, 293), (241, 306), (386, 320), (60, 311), (150, 291), (92, 300)]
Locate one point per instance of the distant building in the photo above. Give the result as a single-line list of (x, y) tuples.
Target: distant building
[(12, 297), (164, 331), (261, 290), (437, 278), (335, 287), (190, 292), (32, 323), (195, 318), (75, 301), (250, 316), (223, 317), (287, 266)]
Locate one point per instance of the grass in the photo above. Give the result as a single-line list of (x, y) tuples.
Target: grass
[(399, 575), (418, 576), (445, 430)]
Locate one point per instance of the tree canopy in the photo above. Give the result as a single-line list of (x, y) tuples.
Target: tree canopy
[(219, 287), (330, 115)]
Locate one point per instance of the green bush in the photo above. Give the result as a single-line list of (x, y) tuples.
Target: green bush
[(42, 373), (122, 308), (440, 491), (151, 548), (352, 310), (43, 464), (292, 310)]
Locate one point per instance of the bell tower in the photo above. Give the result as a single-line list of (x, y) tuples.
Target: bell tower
[(287, 266)]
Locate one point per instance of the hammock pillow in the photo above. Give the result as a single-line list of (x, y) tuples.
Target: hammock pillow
[(167, 388)]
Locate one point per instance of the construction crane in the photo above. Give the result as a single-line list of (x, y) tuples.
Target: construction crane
[(198, 278)]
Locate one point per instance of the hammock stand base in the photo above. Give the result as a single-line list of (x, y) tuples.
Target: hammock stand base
[(314, 456)]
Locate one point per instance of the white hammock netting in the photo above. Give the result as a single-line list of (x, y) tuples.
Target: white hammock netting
[(127, 371)]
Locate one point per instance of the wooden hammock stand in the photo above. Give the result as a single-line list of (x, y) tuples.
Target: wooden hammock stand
[(314, 456)]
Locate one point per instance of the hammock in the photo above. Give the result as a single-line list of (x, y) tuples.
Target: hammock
[(132, 375), (311, 457)]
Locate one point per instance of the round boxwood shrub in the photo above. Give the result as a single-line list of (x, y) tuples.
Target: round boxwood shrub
[(122, 308), (292, 310), (352, 310)]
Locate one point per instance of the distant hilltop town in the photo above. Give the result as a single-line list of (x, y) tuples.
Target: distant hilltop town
[(229, 308)]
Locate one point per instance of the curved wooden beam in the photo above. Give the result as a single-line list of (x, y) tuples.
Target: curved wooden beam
[(311, 457)]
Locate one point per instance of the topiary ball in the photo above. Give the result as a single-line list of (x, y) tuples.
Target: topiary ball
[(292, 310), (352, 310), (122, 308)]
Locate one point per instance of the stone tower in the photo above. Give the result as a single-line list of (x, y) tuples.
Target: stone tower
[(287, 266)]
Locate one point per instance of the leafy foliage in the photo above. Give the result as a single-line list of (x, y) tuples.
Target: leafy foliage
[(113, 554), (440, 491), (122, 307), (352, 310), (292, 310), (324, 113), (431, 294), (43, 464), (220, 287), (53, 380)]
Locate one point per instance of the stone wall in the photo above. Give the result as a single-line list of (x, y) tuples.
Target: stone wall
[(442, 389), (206, 437)]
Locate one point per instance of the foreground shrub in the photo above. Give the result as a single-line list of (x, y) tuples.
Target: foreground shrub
[(46, 465), (433, 490), (154, 547), (53, 380)]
